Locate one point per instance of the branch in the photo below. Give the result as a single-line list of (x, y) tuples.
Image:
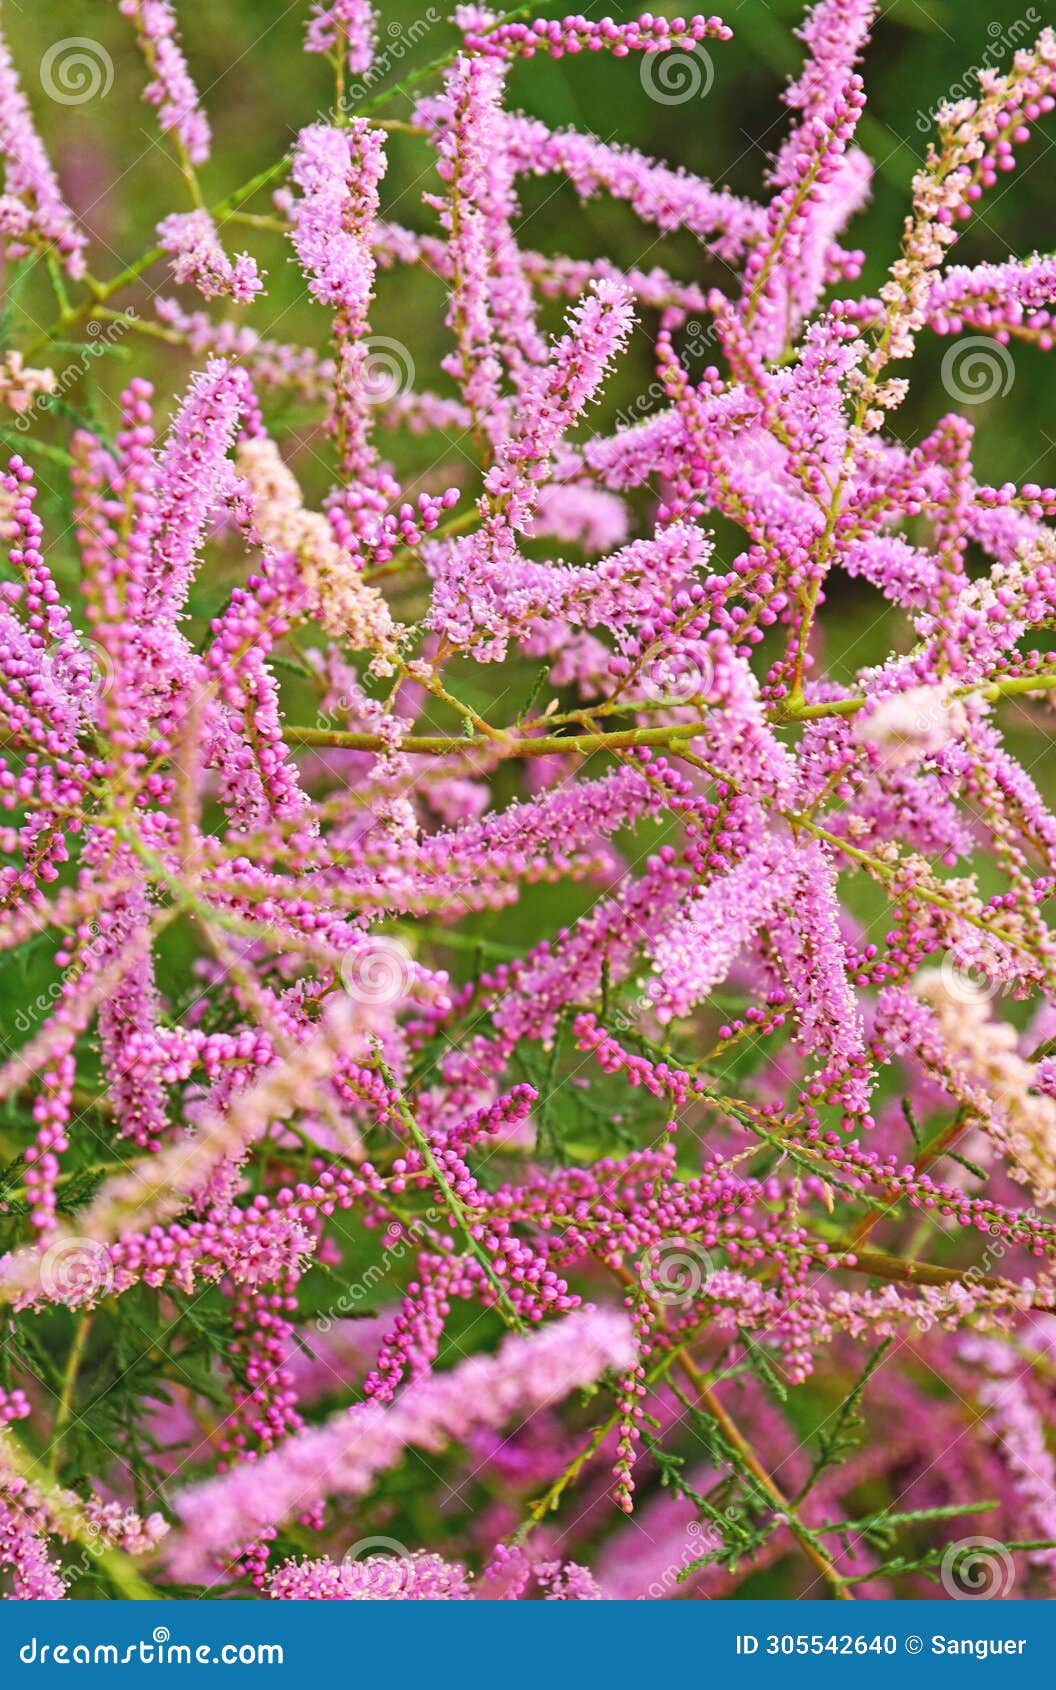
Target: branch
[(504, 745)]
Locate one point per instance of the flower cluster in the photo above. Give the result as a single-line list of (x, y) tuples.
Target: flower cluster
[(720, 1190)]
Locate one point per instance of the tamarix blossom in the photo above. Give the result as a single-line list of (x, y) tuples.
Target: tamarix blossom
[(519, 1020)]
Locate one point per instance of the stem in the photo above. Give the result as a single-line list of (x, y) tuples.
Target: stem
[(503, 744), (878, 1265), (1010, 687), (929, 1155), (885, 871), (457, 1212), (69, 1382), (733, 1435), (621, 739)]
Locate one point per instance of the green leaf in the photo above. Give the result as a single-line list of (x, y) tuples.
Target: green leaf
[(845, 1433)]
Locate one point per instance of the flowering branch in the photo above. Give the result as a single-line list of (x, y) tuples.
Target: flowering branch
[(453, 995)]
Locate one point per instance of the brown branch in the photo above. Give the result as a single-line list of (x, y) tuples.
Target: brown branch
[(733, 1435), (879, 1265)]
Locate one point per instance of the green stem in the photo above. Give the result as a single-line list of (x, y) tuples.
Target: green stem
[(69, 1382), (454, 1204), (1010, 687), (503, 745)]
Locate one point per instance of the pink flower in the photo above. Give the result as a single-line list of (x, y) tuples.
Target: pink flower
[(198, 257)]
